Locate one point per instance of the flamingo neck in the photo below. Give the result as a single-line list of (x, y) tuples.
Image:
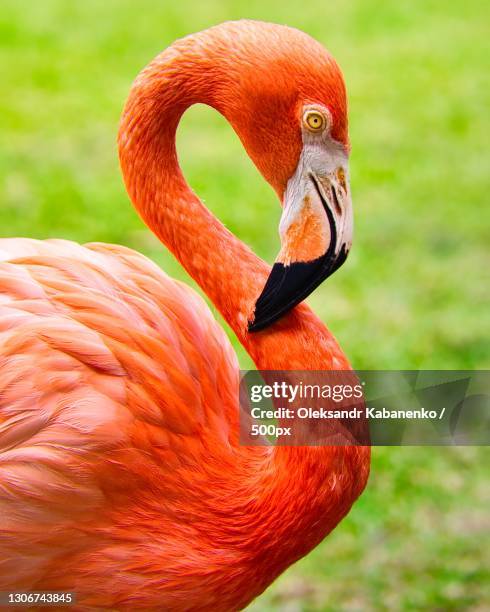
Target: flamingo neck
[(303, 491), (230, 274)]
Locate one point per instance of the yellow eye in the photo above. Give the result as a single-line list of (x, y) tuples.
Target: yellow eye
[(314, 121)]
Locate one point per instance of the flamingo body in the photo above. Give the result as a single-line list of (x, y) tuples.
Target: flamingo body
[(121, 473), (107, 368)]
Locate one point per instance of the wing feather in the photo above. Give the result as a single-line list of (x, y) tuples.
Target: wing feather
[(110, 372)]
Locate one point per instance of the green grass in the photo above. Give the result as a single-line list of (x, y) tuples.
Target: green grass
[(414, 292)]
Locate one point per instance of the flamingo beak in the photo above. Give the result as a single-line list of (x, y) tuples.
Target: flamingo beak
[(316, 236)]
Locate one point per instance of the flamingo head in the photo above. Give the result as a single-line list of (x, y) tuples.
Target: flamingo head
[(286, 100)]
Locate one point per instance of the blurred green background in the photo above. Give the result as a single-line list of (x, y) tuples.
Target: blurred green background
[(414, 292)]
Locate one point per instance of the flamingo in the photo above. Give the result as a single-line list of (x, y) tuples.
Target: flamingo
[(121, 473)]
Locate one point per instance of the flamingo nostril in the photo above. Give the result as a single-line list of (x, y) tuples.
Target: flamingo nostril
[(341, 178)]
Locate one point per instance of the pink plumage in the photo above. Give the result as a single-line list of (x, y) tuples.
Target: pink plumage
[(121, 475)]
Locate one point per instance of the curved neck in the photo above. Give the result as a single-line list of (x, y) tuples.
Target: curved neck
[(302, 491), (224, 267)]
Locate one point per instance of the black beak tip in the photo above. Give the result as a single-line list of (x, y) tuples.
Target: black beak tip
[(260, 322), (254, 326), (289, 285)]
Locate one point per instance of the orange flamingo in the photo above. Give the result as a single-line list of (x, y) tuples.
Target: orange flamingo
[(121, 475)]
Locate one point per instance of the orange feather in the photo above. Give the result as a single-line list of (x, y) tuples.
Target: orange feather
[(121, 475)]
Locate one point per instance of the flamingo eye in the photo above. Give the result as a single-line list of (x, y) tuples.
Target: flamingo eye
[(314, 121)]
